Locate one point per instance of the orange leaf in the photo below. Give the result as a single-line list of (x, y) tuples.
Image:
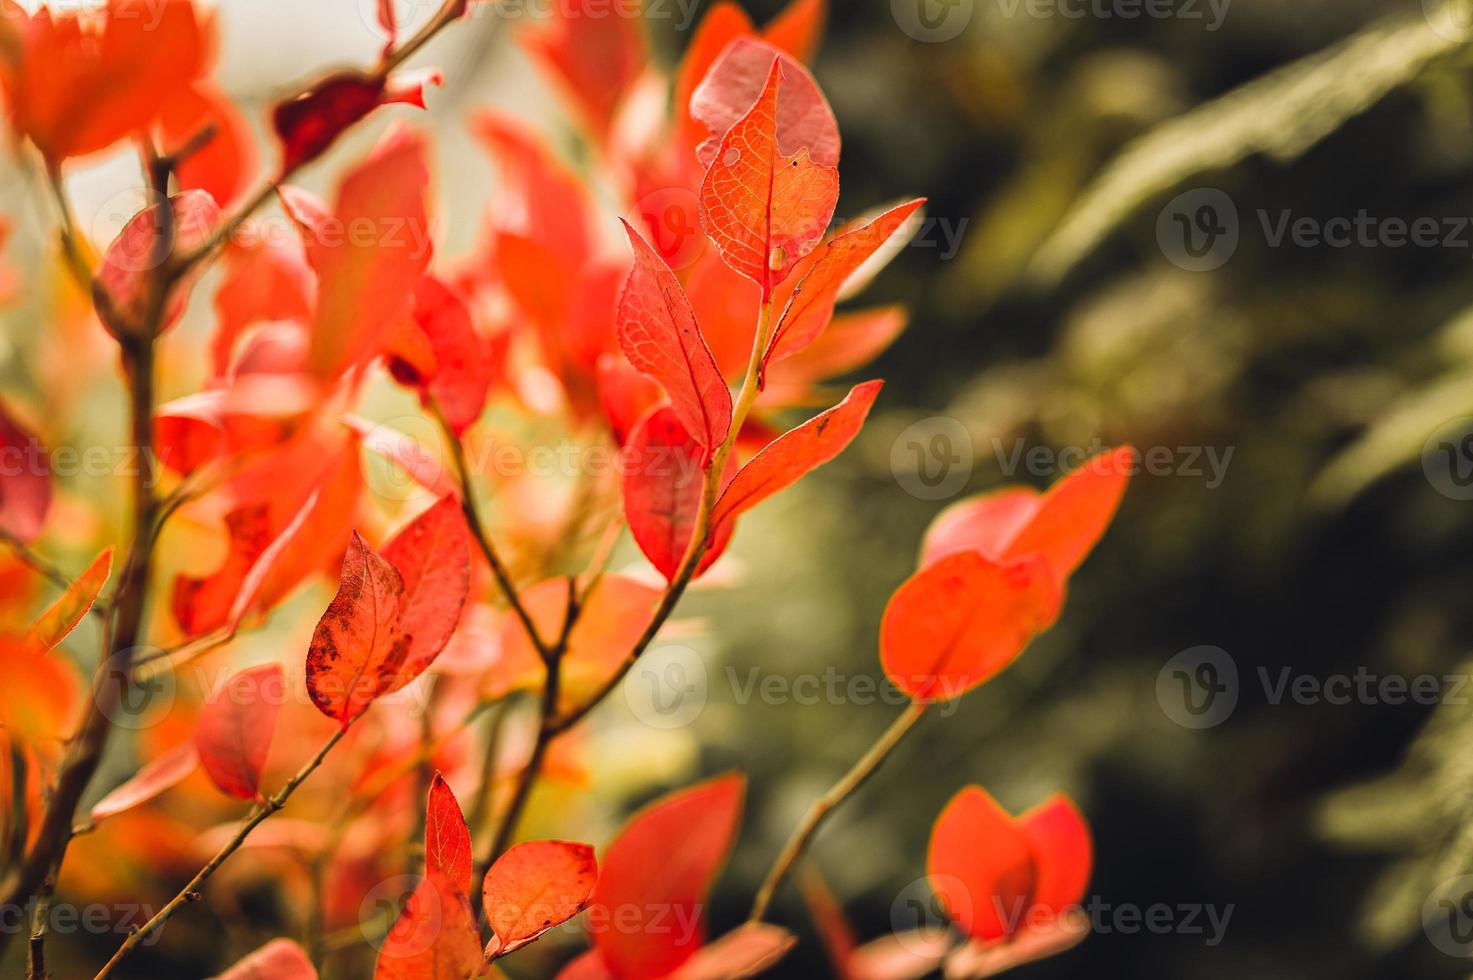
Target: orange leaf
[(660, 336), (747, 951), (39, 699), (625, 395), (765, 208), (421, 465), (432, 556), (534, 887), (461, 374), (595, 55), (850, 342), (357, 648), (126, 275), (235, 726), (798, 29), (980, 865), (663, 484), (1063, 854), (1062, 526), (25, 490), (960, 622), (796, 453), (280, 959), (435, 937), (264, 279), (723, 23), (63, 615), (811, 306), (447, 839), (369, 267), (160, 773), (803, 118), (663, 865), (223, 165)]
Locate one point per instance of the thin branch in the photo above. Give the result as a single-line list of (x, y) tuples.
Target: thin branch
[(788, 858), (191, 892), (47, 570)]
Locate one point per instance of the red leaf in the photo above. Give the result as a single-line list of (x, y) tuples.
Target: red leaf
[(435, 937), (811, 306), (309, 123), (84, 81), (389, 22), (447, 839), (850, 342), (1063, 853), (795, 454), (367, 280), (126, 275), (420, 464), (595, 55), (747, 951), (958, 623), (223, 165), (660, 336), (357, 648), (733, 86), (723, 23), (663, 864), (39, 698), (534, 887), (235, 726), (63, 615), (798, 29), (25, 491), (663, 484), (625, 394), (461, 374), (159, 774), (1062, 526), (250, 598), (763, 207), (280, 959), (264, 279), (433, 559), (980, 865)]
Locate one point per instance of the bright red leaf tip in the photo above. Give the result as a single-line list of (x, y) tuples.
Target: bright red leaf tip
[(1008, 879), (158, 775), (357, 648), (764, 207), (63, 615), (435, 937), (447, 839), (25, 491), (1062, 526), (811, 306), (127, 274), (235, 726), (663, 484), (534, 887), (280, 959), (802, 118), (795, 454), (659, 334), (660, 869), (958, 623)]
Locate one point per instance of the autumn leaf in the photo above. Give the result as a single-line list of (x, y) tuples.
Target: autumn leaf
[(765, 209), (63, 615), (126, 279), (663, 864), (224, 164), (157, 775), (41, 694), (795, 454), (447, 839), (534, 887), (357, 648), (308, 123), (851, 341), (625, 395), (265, 278), (235, 727), (434, 938), (663, 485), (280, 959), (659, 334), (811, 306), (799, 29), (423, 466), (25, 490), (458, 378), (959, 622), (747, 951), (432, 557), (802, 118), (593, 57)]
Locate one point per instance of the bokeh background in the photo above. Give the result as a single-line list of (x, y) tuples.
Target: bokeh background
[(1053, 311)]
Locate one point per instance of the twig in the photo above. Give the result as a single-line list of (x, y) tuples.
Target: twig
[(46, 569), (40, 926), (826, 804), (191, 892)]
